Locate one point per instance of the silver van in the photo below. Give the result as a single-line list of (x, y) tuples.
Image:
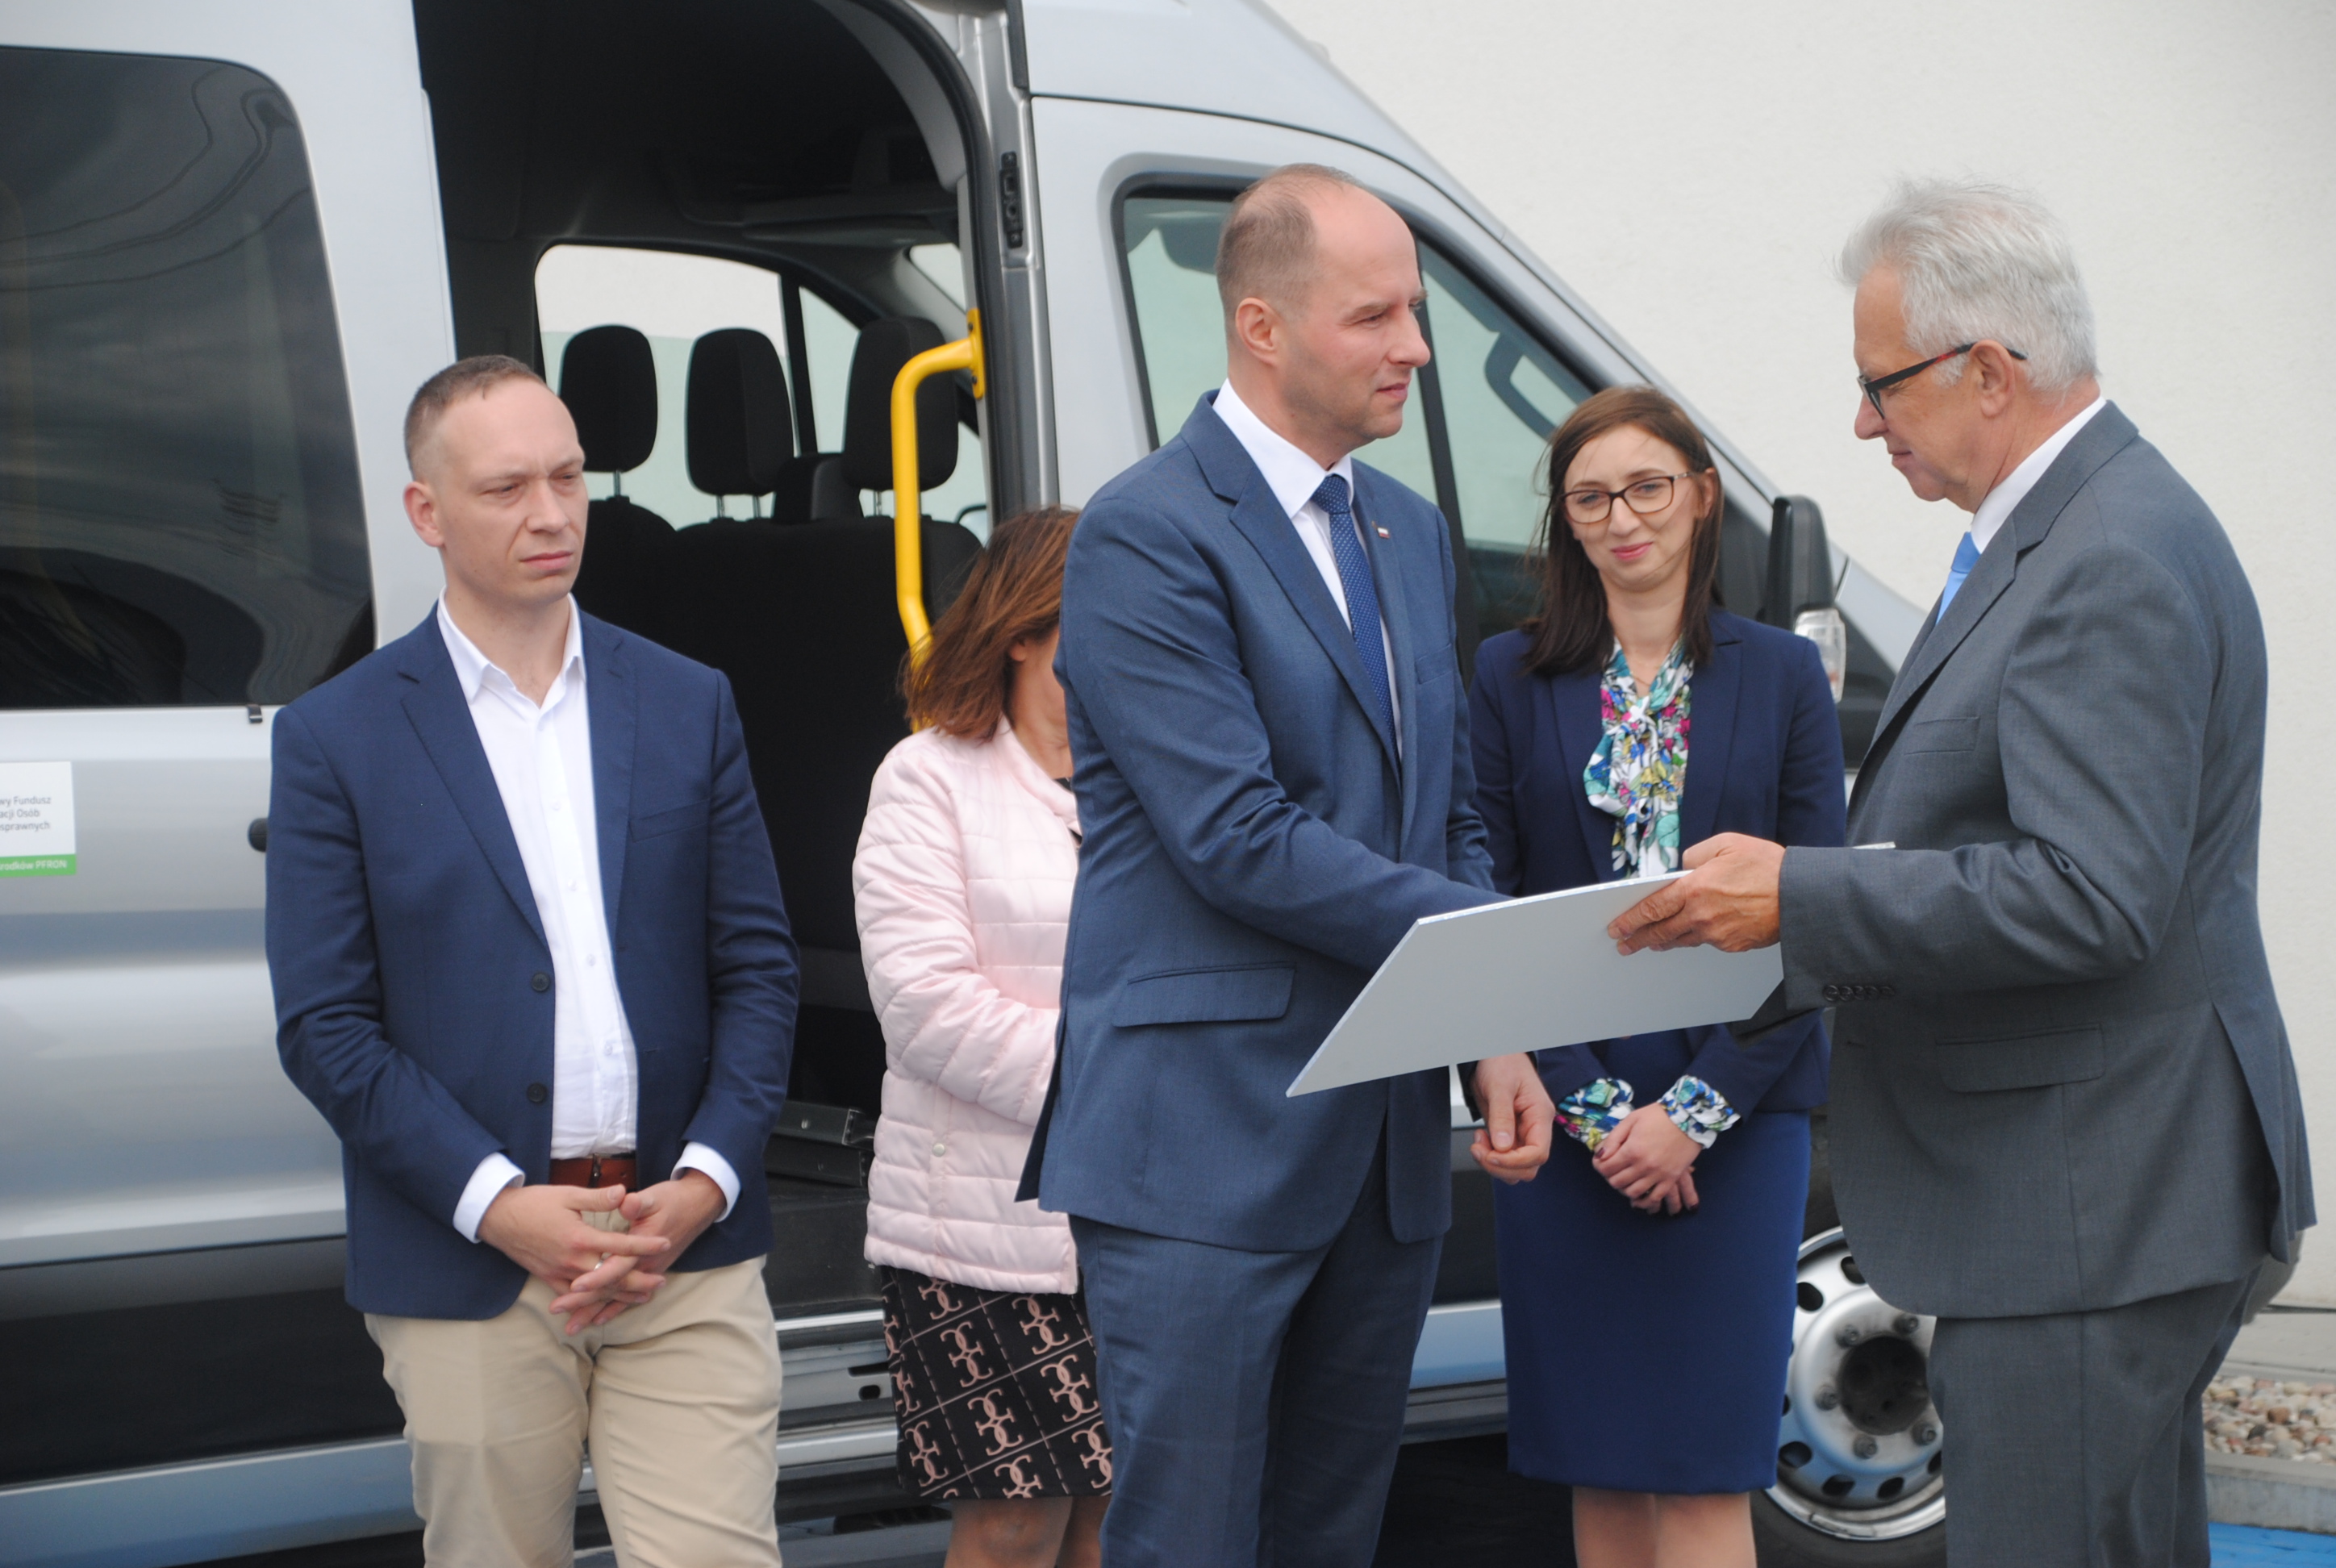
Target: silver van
[(234, 237)]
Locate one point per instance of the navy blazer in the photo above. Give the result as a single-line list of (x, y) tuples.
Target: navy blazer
[(413, 1001), (1763, 757), (1254, 847)]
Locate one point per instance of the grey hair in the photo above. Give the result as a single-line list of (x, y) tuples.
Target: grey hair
[(1978, 260)]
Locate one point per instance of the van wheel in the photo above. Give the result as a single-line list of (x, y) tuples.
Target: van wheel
[(1858, 1447), (1783, 1542)]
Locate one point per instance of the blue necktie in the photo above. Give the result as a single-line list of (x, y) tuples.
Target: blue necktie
[(1966, 558), (1362, 594)]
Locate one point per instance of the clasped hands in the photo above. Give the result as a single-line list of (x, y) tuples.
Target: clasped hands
[(1647, 1159), (596, 1274)]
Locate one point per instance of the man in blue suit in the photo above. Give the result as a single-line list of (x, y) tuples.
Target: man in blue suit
[(1274, 782), (530, 962)]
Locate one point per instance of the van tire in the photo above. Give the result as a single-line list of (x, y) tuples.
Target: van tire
[(1782, 1541)]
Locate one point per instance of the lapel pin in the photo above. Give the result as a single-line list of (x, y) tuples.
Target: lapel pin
[(1383, 532)]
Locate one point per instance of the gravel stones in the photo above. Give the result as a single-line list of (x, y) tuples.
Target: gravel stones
[(2272, 1420)]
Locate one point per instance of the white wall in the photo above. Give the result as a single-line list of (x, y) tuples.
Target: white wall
[(1690, 169)]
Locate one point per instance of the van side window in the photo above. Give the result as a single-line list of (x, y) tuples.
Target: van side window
[(1169, 245), (1504, 394), (181, 521), (673, 299)]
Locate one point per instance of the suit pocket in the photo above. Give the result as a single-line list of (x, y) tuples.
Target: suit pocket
[(1256, 992), (2021, 1061), (657, 824), (1941, 735)]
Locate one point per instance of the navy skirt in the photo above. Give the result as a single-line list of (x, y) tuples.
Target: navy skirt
[(1647, 1354)]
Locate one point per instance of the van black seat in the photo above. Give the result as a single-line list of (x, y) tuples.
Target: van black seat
[(740, 430), (609, 382), (802, 619), (883, 348), (815, 488)]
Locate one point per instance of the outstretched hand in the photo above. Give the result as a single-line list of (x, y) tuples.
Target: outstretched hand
[(1520, 1119), (1728, 901)]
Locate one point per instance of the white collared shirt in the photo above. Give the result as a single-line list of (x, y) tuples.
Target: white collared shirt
[(1999, 502), (542, 757), (1293, 477)]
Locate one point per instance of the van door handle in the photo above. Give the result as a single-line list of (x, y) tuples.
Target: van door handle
[(256, 835)]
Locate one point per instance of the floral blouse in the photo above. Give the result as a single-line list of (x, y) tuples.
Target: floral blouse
[(1637, 771), (1636, 775)]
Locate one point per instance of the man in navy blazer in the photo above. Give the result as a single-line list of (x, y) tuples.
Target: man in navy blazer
[(530, 962), (1273, 778)]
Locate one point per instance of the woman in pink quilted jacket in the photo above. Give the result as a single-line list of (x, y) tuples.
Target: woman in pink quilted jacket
[(963, 885)]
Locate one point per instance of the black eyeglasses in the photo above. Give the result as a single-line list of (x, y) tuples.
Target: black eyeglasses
[(1644, 496), (1874, 388)]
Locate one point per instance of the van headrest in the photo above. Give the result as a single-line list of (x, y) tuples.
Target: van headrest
[(740, 430), (885, 345), (609, 382)]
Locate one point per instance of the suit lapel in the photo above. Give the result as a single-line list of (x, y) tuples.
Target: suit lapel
[(442, 722), (614, 704), (1988, 579), (1259, 519), (2107, 433), (1711, 732), (1573, 706)]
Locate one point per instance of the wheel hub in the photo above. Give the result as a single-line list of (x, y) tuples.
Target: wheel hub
[(1858, 1447)]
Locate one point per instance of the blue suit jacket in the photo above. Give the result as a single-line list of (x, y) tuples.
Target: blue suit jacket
[(412, 1000), (1763, 757), (1254, 850)]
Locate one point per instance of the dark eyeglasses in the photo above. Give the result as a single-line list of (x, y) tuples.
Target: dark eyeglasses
[(1644, 496), (1874, 388)]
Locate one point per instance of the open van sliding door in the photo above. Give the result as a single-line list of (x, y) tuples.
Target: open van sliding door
[(219, 280)]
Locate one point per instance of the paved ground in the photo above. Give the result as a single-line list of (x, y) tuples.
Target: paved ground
[(1453, 1502), (1454, 1505)]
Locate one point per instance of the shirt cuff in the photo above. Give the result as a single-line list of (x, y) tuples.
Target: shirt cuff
[(700, 1157), (495, 1173), (1698, 1110), (1594, 1110)]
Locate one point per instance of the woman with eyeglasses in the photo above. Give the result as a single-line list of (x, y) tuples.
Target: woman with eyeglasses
[(1648, 1279)]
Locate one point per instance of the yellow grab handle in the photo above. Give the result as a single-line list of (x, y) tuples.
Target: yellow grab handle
[(908, 502)]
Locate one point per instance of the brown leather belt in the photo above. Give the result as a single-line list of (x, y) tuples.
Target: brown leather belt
[(596, 1171)]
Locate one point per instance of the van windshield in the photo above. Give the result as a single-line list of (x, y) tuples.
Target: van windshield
[(181, 521)]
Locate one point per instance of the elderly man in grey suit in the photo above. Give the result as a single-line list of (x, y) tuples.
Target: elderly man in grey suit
[(2065, 1116)]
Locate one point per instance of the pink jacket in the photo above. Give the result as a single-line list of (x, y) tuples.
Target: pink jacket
[(963, 888)]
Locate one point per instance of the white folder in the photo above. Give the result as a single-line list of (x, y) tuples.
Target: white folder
[(1528, 974)]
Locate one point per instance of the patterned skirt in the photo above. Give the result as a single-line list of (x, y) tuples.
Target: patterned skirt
[(995, 1392)]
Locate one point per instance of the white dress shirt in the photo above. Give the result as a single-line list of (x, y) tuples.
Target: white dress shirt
[(542, 762), (1988, 521), (1294, 477)]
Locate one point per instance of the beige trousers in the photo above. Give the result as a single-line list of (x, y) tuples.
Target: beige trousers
[(679, 1400)]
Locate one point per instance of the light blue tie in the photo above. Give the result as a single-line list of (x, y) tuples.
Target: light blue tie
[(1966, 558), (1362, 594)]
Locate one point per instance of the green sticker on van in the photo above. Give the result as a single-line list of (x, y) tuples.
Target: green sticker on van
[(38, 866)]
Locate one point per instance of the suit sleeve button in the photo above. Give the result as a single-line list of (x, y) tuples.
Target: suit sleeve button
[(1833, 993), (537, 1093), (540, 980), (1887, 990)]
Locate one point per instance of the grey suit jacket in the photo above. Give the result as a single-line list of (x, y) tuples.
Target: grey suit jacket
[(2060, 1077)]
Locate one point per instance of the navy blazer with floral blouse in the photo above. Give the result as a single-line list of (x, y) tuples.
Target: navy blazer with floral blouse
[(1763, 757)]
